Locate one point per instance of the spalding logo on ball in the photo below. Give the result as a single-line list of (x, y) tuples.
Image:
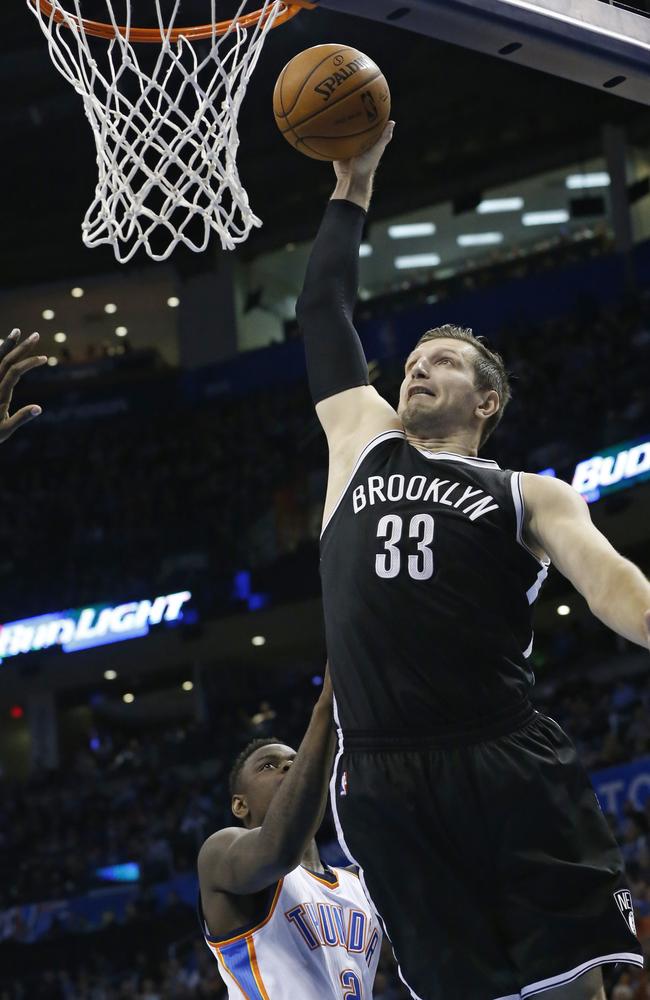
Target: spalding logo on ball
[(331, 102)]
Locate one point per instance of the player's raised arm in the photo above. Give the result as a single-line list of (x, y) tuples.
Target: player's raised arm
[(347, 406), (16, 359), (615, 589), (246, 861)]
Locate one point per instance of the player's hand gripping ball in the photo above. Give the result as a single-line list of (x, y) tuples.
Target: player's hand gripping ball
[(331, 102)]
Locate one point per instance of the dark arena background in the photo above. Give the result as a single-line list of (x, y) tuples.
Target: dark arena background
[(177, 472)]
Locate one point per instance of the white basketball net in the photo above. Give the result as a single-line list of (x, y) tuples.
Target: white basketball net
[(166, 154)]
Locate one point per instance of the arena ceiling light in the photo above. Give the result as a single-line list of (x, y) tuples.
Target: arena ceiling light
[(48, 314), (564, 610), (187, 685), (128, 698), (173, 301), (110, 675), (578, 182), (110, 308), (258, 640), (121, 331), (60, 337), (76, 292), (490, 205), (365, 250), (416, 260), (479, 239), (405, 231), (52, 362), (549, 218)]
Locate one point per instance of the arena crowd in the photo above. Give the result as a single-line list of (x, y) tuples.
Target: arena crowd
[(152, 800), (186, 498)]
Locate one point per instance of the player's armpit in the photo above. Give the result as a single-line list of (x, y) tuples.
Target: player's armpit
[(239, 861), (349, 431), (351, 418), (559, 521)]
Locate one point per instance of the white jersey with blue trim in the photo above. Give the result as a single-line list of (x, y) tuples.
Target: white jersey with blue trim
[(319, 940)]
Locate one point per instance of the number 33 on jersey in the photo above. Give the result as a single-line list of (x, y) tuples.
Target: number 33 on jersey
[(428, 588)]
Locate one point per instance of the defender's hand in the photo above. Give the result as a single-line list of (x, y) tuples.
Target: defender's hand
[(647, 626), (362, 168), (15, 360)]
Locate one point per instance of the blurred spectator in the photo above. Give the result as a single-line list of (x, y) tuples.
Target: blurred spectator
[(239, 481)]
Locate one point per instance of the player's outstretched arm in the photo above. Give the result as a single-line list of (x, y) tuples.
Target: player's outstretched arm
[(615, 589), (244, 862), (16, 359), (349, 409)]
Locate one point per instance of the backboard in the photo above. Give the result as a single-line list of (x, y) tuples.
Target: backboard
[(594, 42)]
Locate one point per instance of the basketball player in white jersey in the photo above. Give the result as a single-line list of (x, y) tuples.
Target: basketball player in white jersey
[(17, 358), (281, 924)]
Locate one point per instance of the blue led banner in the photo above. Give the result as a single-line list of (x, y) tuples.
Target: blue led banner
[(129, 871), (613, 469), (95, 625)]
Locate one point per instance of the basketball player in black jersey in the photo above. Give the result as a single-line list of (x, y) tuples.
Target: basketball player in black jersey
[(478, 834)]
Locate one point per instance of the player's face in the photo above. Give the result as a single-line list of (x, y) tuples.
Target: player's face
[(438, 395), (262, 775)]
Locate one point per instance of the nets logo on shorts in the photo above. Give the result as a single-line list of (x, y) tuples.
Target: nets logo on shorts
[(623, 899)]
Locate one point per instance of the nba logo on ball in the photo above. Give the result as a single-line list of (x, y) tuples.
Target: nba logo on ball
[(623, 898), (344, 784)]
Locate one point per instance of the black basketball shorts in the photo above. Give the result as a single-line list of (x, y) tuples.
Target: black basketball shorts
[(490, 863)]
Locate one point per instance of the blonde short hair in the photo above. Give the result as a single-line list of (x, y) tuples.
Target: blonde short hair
[(489, 369)]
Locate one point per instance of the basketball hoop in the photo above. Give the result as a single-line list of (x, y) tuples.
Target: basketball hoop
[(166, 136)]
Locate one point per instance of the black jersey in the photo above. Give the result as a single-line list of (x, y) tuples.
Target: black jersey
[(428, 589)]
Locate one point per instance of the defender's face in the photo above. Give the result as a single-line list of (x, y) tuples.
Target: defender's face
[(262, 775), (438, 391)]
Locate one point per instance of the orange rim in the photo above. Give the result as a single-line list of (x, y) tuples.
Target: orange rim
[(100, 30)]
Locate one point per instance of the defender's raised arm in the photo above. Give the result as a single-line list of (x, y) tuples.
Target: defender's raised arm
[(245, 861)]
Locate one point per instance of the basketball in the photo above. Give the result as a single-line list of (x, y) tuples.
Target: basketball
[(331, 102)]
